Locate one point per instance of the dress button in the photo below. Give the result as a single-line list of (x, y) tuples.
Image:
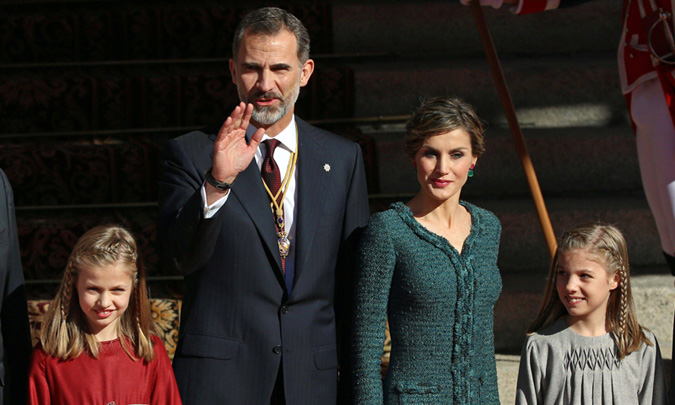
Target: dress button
[(284, 309), (276, 349)]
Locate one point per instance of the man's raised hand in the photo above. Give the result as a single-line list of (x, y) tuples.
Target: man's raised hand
[(231, 153)]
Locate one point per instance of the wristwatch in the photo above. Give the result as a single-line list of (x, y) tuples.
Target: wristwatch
[(215, 183)]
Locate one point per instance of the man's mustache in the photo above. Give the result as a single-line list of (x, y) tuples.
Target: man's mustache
[(267, 95)]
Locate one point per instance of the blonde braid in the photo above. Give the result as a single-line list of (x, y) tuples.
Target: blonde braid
[(623, 306), (67, 291), (64, 346)]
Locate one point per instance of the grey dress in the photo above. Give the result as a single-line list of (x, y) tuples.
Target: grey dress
[(440, 305), (559, 366)]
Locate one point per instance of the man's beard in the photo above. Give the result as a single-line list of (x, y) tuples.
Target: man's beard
[(268, 115)]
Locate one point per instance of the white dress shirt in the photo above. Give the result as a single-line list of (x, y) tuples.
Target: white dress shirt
[(282, 155)]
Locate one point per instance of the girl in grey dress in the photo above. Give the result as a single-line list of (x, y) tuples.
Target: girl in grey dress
[(586, 346)]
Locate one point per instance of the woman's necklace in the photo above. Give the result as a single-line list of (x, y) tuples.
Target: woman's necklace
[(278, 208)]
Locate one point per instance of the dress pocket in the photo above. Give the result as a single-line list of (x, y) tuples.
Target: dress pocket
[(408, 394)]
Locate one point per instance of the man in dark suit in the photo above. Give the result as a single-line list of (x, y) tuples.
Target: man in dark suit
[(259, 320), (15, 344)]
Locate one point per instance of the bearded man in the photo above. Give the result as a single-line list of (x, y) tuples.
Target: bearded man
[(257, 216)]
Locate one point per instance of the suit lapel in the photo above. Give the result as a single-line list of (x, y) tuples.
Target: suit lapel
[(312, 188), (248, 189)]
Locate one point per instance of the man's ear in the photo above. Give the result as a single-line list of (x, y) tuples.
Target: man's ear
[(307, 70)]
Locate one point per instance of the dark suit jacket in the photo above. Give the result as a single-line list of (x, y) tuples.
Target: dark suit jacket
[(15, 343), (238, 321)]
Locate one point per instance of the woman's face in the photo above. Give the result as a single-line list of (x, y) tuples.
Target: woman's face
[(443, 164)]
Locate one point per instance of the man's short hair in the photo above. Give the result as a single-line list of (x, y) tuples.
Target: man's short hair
[(270, 21)]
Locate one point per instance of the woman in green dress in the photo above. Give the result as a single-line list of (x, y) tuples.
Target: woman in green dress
[(430, 266)]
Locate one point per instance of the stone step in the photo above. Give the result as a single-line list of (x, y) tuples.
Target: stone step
[(580, 153), (104, 167), (523, 248), (145, 95), (572, 91), (74, 31), (101, 171), (567, 161), (69, 31), (47, 237), (507, 377), (446, 29)]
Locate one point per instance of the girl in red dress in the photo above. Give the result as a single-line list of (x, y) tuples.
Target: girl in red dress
[(98, 344)]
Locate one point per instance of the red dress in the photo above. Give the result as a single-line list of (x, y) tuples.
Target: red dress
[(112, 379)]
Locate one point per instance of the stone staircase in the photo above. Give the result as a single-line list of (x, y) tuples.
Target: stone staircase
[(562, 72), (90, 89), (561, 69)]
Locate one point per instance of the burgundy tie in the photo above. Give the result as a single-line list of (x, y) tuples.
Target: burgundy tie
[(270, 170), (272, 177)]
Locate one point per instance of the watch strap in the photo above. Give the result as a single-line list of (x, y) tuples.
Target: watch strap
[(222, 186)]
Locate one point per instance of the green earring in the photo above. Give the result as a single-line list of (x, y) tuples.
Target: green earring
[(471, 170)]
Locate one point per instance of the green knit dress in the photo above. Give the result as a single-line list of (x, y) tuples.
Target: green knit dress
[(440, 306)]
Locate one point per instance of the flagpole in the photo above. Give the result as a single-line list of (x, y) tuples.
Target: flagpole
[(517, 134)]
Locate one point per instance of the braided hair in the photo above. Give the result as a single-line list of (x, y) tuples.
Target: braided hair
[(608, 244), (65, 333)]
